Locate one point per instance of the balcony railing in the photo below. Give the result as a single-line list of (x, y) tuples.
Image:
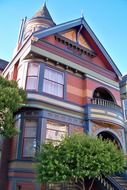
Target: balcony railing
[(105, 103)]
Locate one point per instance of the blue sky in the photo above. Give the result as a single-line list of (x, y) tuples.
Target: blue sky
[(107, 18)]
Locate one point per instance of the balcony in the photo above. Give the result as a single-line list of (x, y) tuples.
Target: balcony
[(105, 103), (105, 111)]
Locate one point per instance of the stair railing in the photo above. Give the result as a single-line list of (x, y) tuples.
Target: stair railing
[(109, 183)]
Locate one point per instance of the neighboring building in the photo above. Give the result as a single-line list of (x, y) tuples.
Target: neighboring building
[(123, 91), (3, 64), (72, 85)]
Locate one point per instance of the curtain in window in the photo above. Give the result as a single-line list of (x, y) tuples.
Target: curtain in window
[(32, 76), (29, 137), (53, 82)]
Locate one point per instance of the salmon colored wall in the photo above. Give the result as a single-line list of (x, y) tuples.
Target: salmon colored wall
[(74, 89), (97, 50), (98, 62), (50, 39), (80, 91)]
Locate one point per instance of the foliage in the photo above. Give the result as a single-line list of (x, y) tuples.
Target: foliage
[(11, 99), (77, 157)]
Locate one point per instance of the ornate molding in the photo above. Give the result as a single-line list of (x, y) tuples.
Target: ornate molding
[(62, 118)]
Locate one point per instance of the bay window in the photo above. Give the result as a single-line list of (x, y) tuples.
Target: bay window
[(32, 76), (53, 82), (29, 137)]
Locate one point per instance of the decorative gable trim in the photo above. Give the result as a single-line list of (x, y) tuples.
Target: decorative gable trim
[(75, 46), (81, 21)]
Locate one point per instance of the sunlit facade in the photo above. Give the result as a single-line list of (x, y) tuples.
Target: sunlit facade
[(72, 85)]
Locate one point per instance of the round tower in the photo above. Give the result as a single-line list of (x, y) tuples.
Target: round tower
[(40, 21)]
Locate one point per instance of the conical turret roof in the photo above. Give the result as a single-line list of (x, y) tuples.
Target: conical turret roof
[(43, 13), (40, 21)]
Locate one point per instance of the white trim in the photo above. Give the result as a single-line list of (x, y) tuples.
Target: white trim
[(98, 80), (54, 102), (21, 54), (74, 65)]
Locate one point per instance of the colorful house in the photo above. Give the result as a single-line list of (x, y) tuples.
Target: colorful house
[(72, 84)]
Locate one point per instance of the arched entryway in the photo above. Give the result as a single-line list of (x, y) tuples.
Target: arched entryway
[(106, 135)]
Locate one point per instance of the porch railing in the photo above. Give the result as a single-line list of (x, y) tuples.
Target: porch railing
[(104, 103)]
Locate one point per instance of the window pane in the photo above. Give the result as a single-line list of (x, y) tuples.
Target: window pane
[(20, 72), (53, 75), (56, 131), (53, 88), (32, 83), (33, 69), (30, 123), (29, 147), (54, 135), (30, 132)]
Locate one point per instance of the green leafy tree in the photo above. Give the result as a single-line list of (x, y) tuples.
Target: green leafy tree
[(11, 99), (76, 158)]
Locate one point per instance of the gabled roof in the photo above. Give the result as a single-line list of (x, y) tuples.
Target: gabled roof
[(3, 64), (81, 21)]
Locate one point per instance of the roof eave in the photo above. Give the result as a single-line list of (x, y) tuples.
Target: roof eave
[(71, 24)]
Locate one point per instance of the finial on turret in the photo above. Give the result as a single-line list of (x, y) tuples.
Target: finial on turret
[(82, 14), (45, 2)]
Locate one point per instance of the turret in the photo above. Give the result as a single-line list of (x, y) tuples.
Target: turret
[(40, 21)]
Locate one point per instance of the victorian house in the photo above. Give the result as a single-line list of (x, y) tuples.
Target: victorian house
[(72, 84)]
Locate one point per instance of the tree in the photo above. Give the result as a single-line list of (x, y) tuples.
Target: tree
[(11, 99), (78, 157)]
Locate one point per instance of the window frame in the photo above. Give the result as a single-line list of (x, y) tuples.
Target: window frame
[(24, 137), (58, 123), (55, 82), (19, 74), (32, 76)]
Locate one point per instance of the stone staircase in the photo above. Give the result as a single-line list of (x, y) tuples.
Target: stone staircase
[(121, 180)]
